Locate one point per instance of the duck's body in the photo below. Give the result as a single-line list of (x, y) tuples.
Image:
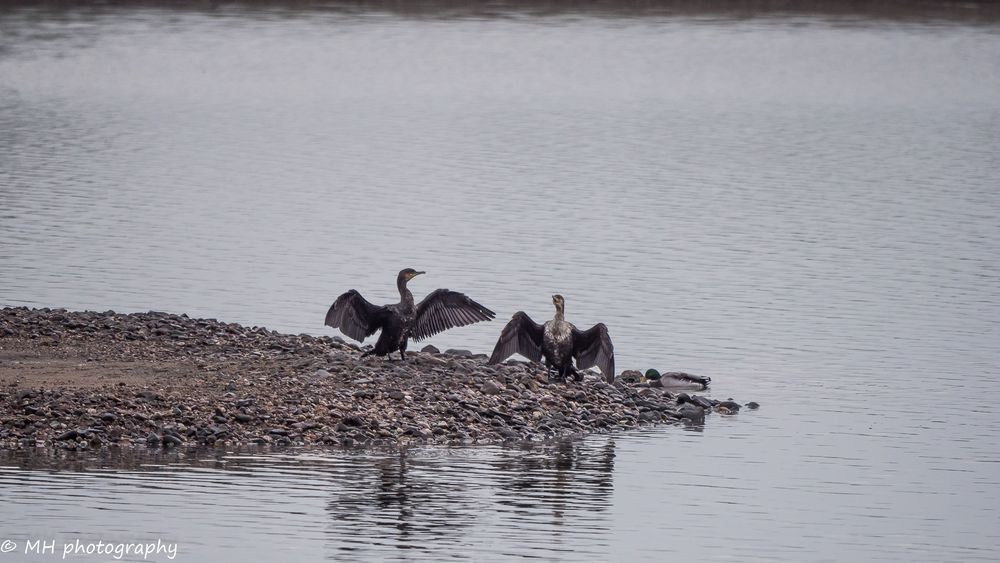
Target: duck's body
[(682, 380), (439, 311), (559, 343)]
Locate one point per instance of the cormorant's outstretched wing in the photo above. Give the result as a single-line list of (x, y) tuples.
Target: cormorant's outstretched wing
[(594, 348), (444, 309), (355, 316), (521, 336)]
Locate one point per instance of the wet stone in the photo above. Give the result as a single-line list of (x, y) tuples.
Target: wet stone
[(353, 420), (729, 405), (68, 435), (170, 440), (414, 431), (630, 376), (692, 412)]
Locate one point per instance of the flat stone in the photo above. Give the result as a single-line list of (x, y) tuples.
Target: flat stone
[(508, 433), (170, 440), (630, 376), (68, 435), (353, 420), (414, 431)]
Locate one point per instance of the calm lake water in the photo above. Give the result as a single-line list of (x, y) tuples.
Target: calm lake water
[(803, 206)]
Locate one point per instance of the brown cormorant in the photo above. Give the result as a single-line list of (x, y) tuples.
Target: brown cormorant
[(559, 342), (439, 311)]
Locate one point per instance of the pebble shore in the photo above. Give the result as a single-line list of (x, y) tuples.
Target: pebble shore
[(85, 380)]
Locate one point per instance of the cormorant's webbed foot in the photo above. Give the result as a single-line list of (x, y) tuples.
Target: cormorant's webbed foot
[(402, 355)]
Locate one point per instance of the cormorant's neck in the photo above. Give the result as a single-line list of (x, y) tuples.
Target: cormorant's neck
[(559, 313), (404, 294)]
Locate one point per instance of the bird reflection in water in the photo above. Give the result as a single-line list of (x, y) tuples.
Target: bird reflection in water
[(549, 496), (401, 499), (417, 498), (564, 480)]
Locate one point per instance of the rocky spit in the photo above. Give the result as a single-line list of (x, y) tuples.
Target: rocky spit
[(84, 380)]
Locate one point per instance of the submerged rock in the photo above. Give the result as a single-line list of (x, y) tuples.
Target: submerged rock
[(728, 407), (691, 413)]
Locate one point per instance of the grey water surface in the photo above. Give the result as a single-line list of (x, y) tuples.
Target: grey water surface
[(803, 205)]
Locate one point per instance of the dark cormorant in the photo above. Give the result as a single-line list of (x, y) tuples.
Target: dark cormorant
[(439, 311), (559, 342)]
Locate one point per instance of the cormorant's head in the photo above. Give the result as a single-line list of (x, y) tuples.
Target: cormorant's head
[(408, 274), (558, 301)]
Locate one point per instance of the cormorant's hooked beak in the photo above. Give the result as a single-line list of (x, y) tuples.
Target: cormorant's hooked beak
[(415, 274)]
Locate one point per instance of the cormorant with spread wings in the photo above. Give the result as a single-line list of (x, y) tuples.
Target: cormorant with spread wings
[(559, 342), (439, 311)]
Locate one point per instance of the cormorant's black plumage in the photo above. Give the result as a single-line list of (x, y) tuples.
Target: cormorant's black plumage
[(439, 311), (559, 342)]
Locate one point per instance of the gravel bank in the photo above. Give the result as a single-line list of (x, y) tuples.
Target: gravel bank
[(80, 380)]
